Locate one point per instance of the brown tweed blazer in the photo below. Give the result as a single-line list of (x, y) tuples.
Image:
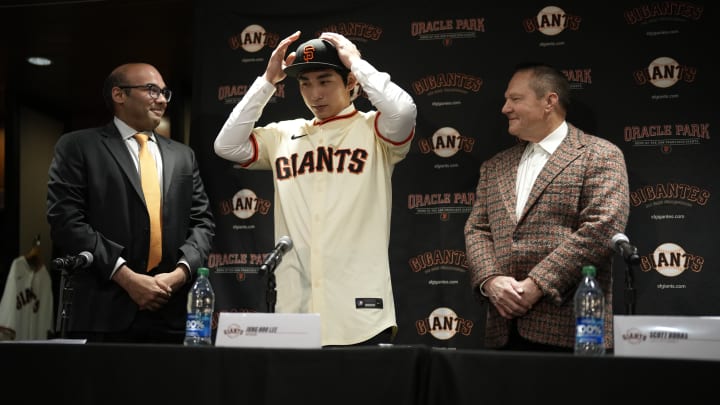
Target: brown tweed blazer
[(578, 202)]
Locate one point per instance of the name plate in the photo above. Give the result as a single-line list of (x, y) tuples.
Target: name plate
[(241, 329), (684, 337)]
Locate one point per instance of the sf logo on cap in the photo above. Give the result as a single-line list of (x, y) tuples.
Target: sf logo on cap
[(309, 53)]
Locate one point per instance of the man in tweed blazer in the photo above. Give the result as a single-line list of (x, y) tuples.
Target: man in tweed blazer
[(544, 208)]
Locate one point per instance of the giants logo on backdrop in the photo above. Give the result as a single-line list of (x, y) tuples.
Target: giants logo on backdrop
[(231, 94), (578, 78), (663, 11), (551, 21), (253, 38), (244, 204), (671, 260), (666, 136), (354, 31), (445, 89), (447, 84), (443, 324), (239, 264), (670, 195), (447, 30), (664, 72), (441, 204), (440, 259), (446, 142)]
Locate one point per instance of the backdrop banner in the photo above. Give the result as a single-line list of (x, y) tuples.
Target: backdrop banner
[(641, 77)]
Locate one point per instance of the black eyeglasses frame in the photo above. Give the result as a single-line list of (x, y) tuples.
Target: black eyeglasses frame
[(154, 90)]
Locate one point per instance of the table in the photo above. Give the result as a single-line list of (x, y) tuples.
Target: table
[(401, 374)]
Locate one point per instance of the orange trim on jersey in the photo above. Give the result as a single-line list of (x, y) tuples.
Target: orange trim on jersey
[(255, 152), (412, 133), (337, 117)]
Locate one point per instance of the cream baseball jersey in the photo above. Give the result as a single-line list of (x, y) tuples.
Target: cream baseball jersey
[(333, 198), (26, 308), (333, 195)]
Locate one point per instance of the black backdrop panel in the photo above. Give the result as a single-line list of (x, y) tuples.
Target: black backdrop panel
[(641, 77)]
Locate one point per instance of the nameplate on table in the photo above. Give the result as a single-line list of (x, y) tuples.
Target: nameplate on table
[(680, 337), (270, 330)]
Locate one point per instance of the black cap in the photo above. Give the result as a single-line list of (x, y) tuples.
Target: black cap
[(313, 55)]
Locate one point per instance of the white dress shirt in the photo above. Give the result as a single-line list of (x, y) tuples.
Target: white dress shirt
[(532, 162)]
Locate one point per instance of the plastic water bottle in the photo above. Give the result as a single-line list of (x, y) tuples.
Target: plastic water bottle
[(200, 307), (589, 315)]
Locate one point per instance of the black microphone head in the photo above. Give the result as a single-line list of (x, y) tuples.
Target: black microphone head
[(286, 242), (619, 237), (88, 258)]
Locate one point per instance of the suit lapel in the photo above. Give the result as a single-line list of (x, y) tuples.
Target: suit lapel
[(507, 178), (167, 161), (117, 147), (568, 151), (119, 150)]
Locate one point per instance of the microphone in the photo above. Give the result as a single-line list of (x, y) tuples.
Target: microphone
[(283, 246), (621, 244), (72, 262)]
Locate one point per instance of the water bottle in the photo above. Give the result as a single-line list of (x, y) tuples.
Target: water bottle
[(589, 315), (200, 307)]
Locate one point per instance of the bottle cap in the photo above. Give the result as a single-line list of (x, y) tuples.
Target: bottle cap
[(588, 270), (203, 271)]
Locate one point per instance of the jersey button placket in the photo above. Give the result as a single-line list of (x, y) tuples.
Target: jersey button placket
[(317, 242)]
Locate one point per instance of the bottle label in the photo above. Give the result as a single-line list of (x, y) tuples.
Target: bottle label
[(198, 325), (589, 330)]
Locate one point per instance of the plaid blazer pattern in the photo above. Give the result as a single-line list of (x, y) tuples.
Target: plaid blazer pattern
[(578, 202)]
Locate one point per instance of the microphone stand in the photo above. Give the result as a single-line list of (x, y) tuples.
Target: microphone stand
[(271, 293), (66, 295), (630, 261)]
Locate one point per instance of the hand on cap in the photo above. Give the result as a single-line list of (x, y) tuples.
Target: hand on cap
[(347, 51), (274, 72)]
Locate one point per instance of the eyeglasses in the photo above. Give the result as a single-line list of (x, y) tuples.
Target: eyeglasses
[(153, 90)]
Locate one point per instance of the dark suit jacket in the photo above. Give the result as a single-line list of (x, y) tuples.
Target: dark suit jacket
[(579, 201), (95, 204)]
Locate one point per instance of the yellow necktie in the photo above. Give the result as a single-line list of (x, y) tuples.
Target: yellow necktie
[(151, 190)]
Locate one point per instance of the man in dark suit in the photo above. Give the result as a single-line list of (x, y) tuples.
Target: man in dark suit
[(96, 204), (544, 208)]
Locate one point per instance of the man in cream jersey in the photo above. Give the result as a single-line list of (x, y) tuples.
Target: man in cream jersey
[(332, 177)]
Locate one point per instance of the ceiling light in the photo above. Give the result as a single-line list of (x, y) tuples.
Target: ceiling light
[(39, 61)]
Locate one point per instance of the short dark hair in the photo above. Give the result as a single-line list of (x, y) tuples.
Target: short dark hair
[(342, 72), (114, 79), (548, 79)]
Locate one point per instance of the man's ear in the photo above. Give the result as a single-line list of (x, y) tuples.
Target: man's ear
[(353, 86), (118, 95), (351, 81), (552, 101)]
